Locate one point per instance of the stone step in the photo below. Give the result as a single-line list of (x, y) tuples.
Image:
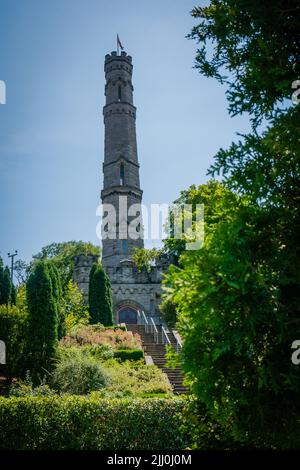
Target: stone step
[(157, 351)]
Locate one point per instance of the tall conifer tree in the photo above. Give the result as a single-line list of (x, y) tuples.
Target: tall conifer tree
[(100, 298), (43, 319)]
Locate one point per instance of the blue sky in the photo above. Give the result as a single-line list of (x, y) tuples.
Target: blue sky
[(51, 128)]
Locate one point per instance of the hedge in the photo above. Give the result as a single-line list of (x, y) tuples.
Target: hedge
[(73, 422), (129, 354)]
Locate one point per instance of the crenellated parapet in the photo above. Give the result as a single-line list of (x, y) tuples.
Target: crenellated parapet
[(121, 62)]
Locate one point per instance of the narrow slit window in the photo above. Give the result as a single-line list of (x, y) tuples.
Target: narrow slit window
[(119, 93), (124, 247), (122, 174)]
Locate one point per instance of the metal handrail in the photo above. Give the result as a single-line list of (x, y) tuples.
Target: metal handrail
[(164, 336), (154, 330), (178, 341), (146, 323)]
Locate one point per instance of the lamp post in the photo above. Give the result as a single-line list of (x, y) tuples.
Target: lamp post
[(12, 256)]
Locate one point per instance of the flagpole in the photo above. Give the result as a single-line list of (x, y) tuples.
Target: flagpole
[(118, 46)]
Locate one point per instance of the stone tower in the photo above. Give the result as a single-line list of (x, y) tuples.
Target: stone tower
[(133, 291), (121, 186)]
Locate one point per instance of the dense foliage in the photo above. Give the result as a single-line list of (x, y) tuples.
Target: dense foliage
[(238, 297), (63, 257), (97, 334), (236, 338), (218, 203), (129, 354), (76, 312), (14, 331), (145, 258), (253, 47), (100, 296), (58, 298), (90, 423), (168, 312), (78, 374)]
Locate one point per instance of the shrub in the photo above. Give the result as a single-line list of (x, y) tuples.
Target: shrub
[(13, 331), (78, 374), (134, 379), (129, 354), (116, 328), (203, 431), (25, 388), (90, 423), (98, 334), (97, 351)]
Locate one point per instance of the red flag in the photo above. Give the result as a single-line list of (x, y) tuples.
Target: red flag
[(119, 44)]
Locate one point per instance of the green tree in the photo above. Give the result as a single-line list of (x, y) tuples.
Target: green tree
[(63, 255), (43, 319), (254, 48), (6, 287), (145, 258), (58, 297), (75, 309), (238, 297), (218, 202), (13, 295), (168, 311), (237, 339), (22, 271), (100, 297)]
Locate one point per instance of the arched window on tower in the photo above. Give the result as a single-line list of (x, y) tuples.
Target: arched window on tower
[(119, 93), (122, 174)]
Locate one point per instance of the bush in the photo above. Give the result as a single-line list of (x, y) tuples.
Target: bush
[(116, 328), (78, 374), (134, 379), (90, 423), (129, 354), (98, 334), (25, 388), (203, 431), (101, 352)]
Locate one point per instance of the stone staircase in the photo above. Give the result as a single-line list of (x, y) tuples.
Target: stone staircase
[(158, 354)]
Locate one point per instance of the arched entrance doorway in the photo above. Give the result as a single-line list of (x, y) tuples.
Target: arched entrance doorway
[(127, 315)]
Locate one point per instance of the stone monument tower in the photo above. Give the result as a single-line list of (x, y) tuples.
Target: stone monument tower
[(132, 290), (121, 186)]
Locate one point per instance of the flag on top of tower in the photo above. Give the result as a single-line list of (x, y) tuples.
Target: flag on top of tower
[(119, 44)]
